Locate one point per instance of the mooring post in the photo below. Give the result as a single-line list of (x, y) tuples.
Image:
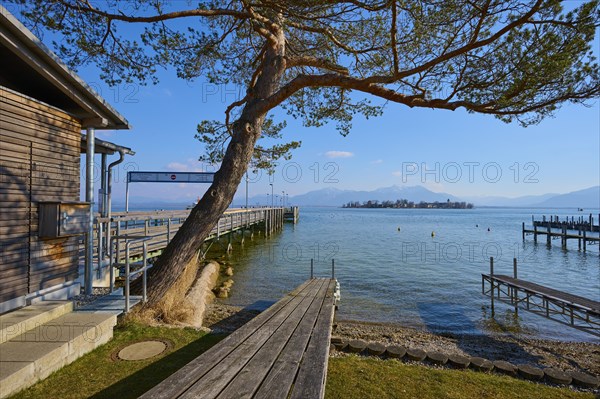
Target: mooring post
[(584, 241), (492, 283), (333, 268), (549, 235), (515, 292), (535, 233), (579, 238), (311, 268)]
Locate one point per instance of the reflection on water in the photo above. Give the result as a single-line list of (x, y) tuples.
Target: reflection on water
[(392, 269)]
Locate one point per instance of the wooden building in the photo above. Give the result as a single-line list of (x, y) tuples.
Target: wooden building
[(43, 109)]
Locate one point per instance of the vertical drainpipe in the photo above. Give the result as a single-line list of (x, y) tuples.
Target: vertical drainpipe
[(102, 196), (108, 207), (101, 209), (89, 197)]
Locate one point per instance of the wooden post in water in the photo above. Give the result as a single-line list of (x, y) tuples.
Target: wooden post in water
[(584, 241), (515, 292), (492, 284), (549, 235), (579, 238), (266, 223), (332, 268), (535, 233), (523, 231)]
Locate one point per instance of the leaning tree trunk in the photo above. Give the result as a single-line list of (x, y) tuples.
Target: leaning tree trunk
[(246, 130)]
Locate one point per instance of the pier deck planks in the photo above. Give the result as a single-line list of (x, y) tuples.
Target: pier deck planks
[(280, 353)]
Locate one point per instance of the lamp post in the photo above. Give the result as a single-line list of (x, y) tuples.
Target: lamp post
[(272, 198)]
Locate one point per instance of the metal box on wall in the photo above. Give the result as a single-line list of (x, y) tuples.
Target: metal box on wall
[(63, 219)]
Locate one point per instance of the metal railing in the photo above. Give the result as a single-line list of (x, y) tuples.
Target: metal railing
[(129, 239)]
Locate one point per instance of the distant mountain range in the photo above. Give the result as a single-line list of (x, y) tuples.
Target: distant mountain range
[(587, 198)]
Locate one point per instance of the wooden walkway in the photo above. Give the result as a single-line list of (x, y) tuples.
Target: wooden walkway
[(161, 226), (281, 353), (573, 310)]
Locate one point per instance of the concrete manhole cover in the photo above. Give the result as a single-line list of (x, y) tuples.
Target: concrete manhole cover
[(142, 350)]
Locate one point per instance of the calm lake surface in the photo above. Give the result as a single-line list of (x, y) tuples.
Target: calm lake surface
[(407, 276)]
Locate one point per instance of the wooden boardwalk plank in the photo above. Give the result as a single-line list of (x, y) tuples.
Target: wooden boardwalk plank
[(588, 304), (180, 381), (213, 382), (278, 382), (285, 347), (248, 380), (310, 382)]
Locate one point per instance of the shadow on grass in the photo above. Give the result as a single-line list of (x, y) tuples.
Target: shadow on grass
[(143, 380)]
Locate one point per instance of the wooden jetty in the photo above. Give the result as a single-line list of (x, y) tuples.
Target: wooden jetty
[(129, 239), (160, 227), (291, 214), (572, 310), (281, 353), (572, 228)]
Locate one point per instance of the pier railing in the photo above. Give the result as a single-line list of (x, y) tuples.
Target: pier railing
[(158, 229)]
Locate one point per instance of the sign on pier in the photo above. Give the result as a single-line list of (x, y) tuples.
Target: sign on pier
[(170, 177), (165, 177)]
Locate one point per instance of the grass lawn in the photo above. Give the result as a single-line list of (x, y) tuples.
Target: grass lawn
[(355, 377), (97, 375)]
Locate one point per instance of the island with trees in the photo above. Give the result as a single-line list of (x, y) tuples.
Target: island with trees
[(403, 203)]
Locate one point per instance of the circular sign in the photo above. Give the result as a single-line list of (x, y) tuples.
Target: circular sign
[(173, 177)]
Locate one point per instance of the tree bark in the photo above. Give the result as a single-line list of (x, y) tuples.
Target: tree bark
[(245, 132)]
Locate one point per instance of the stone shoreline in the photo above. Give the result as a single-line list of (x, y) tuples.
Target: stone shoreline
[(567, 356)]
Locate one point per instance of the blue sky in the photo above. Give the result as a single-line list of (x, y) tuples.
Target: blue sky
[(454, 152)]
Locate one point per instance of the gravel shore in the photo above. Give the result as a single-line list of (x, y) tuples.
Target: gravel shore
[(567, 356)]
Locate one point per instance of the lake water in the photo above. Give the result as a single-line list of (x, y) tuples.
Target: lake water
[(391, 269)]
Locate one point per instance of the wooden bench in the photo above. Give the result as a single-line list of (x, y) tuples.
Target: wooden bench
[(281, 353)]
